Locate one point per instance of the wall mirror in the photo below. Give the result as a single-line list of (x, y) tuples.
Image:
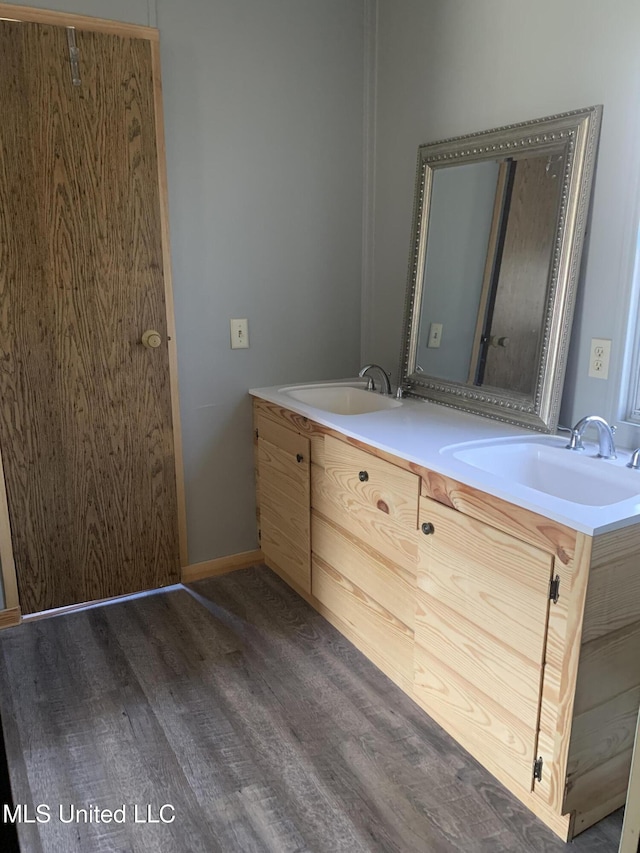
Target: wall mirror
[(498, 229)]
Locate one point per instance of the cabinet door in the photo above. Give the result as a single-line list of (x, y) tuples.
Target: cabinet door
[(480, 636), (284, 497)]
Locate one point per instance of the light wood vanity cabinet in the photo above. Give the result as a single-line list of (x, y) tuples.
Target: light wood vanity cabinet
[(519, 636), (283, 458)]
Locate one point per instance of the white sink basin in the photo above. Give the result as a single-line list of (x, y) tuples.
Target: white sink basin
[(555, 471), (341, 399)]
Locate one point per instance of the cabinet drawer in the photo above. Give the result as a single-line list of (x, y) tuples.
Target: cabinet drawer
[(374, 500), (382, 580), (387, 641)]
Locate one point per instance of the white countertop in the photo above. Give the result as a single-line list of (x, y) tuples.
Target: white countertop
[(423, 432)]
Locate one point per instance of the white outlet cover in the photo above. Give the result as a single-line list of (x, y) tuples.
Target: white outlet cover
[(599, 357)]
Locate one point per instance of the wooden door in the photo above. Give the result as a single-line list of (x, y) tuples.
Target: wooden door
[(85, 409), (284, 499), (480, 637)]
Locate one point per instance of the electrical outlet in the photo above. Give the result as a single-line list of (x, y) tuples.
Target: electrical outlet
[(435, 335), (239, 334), (599, 356)]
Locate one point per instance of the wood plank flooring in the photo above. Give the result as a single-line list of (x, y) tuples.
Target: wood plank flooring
[(249, 714)]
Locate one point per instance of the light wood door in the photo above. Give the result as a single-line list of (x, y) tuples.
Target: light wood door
[(85, 411), (284, 499), (480, 636)]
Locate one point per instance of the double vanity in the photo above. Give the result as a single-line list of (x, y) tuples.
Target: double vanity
[(487, 570)]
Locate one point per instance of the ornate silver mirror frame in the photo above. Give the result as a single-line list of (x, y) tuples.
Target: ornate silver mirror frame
[(569, 141)]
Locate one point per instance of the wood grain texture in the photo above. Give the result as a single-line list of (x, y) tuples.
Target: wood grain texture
[(81, 22), (266, 729), (387, 488), (613, 597), (374, 623), (10, 617), (606, 707), (284, 498), (91, 483), (382, 511), (605, 782), (480, 635), (285, 417), (608, 666), (560, 672), (7, 563), (603, 731), (220, 566), (525, 525), (163, 200), (586, 819), (493, 580), (389, 583)]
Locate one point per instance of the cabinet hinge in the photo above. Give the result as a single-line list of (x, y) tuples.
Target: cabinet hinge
[(257, 434), (259, 535), (537, 769), (554, 589)]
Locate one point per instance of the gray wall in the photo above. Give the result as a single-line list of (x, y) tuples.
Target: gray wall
[(264, 126), (449, 67)]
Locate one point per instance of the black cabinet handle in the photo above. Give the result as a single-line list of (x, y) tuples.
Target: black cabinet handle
[(363, 476), (428, 528), (299, 457)]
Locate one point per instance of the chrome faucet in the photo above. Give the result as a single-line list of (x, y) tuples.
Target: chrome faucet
[(634, 462), (606, 446), (386, 385)]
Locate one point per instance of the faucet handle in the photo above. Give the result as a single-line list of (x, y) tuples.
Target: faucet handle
[(575, 442)]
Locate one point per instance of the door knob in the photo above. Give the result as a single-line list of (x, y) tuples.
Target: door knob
[(151, 339)]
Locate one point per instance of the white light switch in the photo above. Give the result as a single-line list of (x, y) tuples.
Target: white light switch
[(599, 356), (239, 334), (435, 335)]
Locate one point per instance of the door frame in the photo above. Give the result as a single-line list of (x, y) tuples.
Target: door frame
[(152, 35)]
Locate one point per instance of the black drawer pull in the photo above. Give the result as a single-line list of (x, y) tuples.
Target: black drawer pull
[(428, 528), (363, 476), (299, 457)]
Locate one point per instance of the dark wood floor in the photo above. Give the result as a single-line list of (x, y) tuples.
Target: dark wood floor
[(264, 728)]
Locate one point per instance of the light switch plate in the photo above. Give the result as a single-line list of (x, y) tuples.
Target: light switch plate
[(239, 334), (599, 356), (435, 335)]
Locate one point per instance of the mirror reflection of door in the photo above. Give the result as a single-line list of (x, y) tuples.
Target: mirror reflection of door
[(491, 235), (515, 312)]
